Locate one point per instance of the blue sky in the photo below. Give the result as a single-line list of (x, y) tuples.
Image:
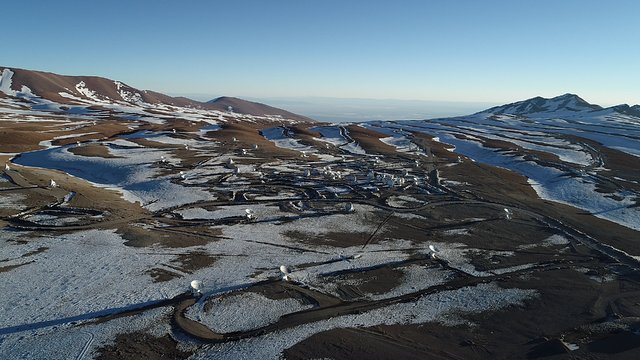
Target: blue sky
[(460, 51)]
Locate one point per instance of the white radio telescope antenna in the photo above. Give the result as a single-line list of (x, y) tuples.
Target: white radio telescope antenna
[(349, 208), (196, 287), (6, 167), (433, 251), (52, 183), (249, 214), (508, 214), (286, 274)]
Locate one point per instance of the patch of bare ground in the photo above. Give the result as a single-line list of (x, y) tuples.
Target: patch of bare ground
[(87, 196), (305, 129), (25, 136), (617, 164), (504, 145), (135, 346), (184, 263), (504, 186), (306, 136), (21, 137), (92, 150), (438, 149), (194, 261), (154, 144), (167, 126), (484, 228), (11, 267), (278, 291), (429, 341), (377, 281), (138, 236), (247, 135), (507, 235), (36, 251), (568, 302), (102, 130), (335, 239), (369, 140)]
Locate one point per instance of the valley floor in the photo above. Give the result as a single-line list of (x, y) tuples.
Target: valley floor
[(429, 239)]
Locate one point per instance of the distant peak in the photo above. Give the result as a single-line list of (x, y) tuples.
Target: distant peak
[(564, 103), (567, 95), (223, 98)]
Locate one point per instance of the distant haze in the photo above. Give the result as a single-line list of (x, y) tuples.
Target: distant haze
[(350, 110)]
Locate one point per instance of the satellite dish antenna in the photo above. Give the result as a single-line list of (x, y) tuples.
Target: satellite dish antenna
[(6, 167), (433, 251), (174, 130), (349, 208), (186, 147), (244, 151), (286, 273), (508, 214), (255, 146), (53, 184), (235, 139), (196, 288), (249, 214)]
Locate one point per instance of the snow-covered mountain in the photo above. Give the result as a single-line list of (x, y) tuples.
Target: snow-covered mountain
[(559, 106), (37, 91)]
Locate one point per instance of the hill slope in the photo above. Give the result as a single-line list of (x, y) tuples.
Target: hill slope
[(54, 92), (563, 105)]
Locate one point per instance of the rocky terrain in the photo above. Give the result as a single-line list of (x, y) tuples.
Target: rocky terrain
[(510, 233)]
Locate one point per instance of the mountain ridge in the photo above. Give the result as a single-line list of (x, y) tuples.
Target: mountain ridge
[(566, 103), (73, 89)]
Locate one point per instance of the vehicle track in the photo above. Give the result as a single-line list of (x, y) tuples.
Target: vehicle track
[(341, 308), (87, 345)]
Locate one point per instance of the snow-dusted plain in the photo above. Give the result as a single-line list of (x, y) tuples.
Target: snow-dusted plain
[(231, 217), (572, 180)]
